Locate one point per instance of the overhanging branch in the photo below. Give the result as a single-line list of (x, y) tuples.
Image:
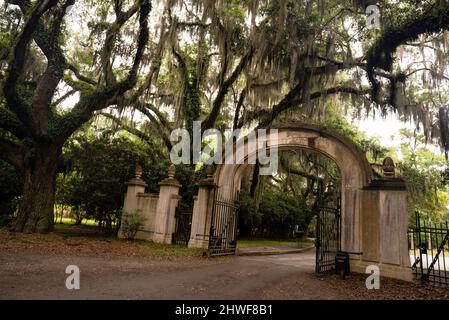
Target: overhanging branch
[(293, 99), (213, 115), (380, 55), (11, 88)]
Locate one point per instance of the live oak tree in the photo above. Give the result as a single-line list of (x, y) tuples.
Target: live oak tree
[(237, 65), (266, 62), (227, 63), (33, 130)]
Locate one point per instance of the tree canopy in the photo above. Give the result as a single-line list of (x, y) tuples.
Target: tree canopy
[(149, 67)]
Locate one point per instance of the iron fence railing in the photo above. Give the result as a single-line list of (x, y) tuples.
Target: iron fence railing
[(223, 233), (328, 238), (429, 251), (183, 226)]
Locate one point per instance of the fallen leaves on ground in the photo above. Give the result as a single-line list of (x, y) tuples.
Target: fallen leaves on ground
[(353, 287), (82, 240)]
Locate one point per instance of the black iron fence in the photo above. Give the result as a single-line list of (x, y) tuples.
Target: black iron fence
[(327, 238), (223, 233), (429, 251), (183, 226)]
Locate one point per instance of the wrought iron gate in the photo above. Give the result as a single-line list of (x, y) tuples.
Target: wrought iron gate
[(183, 226), (223, 232), (429, 250), (328, 238)]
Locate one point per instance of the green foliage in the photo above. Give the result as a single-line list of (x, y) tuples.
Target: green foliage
[(248, 210), (278, 215), (10, 191), (131, 223), (425, 173), (336, 122), (282, 213), (98, 167)]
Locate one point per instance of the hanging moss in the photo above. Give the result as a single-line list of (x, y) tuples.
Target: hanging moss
[(443, 117), (381, 53)]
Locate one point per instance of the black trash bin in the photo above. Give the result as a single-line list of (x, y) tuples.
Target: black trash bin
[(342, 264)]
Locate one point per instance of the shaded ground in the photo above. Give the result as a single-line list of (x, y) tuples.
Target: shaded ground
[(299, 243), (34, 267), (273, 250)]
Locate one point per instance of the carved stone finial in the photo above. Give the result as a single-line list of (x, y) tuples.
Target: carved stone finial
[(171, 171), (388, 167), (138, 172)]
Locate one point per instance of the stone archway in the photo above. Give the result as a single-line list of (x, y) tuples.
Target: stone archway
[(374, 212)]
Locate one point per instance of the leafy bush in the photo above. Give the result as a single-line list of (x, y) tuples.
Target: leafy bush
[(98, 166), (10, 191), (278, 215), (131, 223)]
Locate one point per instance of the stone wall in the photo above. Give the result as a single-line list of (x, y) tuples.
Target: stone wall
[(158, 209)]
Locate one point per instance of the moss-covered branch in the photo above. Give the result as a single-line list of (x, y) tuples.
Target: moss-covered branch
[(224, 88), (11, 123), (12, 87), (100, 98), (294, 98), (131, 129), (381, 53)]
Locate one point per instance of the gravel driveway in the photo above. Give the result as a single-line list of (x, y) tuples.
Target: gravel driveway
[(27, 275)]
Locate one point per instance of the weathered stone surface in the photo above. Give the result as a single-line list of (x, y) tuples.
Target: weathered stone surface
[(158, 209), (202, 214)]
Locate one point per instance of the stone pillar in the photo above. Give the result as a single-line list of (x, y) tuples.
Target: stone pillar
[(135, 186), (202, 212), (384, 226), (166, 205)]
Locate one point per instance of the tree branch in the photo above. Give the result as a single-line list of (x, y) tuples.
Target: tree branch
[(107, 77), (79, 75), (161, 124), (237, 109), (213, 115), (53, 74), (64, 97), (293, 98), (10, 122), (380, 55), (11, 88), (138, 133), (104, 97)]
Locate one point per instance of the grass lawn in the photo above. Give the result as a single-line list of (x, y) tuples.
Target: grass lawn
[(164, 249), (272, 243), (87, 222)]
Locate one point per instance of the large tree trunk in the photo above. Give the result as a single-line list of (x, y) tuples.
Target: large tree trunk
[(37, 205)]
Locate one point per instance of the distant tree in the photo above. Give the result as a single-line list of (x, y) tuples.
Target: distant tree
[(425, 172)]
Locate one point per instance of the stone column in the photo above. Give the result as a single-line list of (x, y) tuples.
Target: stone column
[(165, 210), (202, 212), (135, 186), (384, 225)]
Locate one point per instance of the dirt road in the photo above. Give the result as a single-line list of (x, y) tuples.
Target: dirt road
[(29, 275)]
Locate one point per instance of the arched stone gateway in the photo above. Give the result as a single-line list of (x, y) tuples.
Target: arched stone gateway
[(374, 218)]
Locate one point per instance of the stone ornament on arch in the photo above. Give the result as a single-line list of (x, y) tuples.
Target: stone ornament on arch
[(388, 167)]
